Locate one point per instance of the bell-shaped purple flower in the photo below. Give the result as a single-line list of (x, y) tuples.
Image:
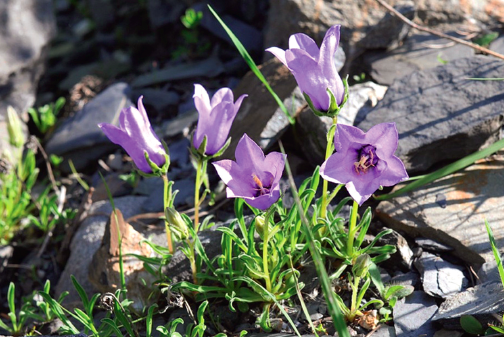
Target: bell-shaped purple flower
[(314, 69), (136, 137), (253, 177), (215, 117), (364, 161)]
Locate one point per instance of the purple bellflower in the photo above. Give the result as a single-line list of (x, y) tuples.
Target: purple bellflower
[(136, 136), (314, 69), (215, 117), (364, 161), (253, 177)]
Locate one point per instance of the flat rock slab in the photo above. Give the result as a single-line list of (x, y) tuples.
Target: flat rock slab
[(440, 114), (472, 195), (79, 138), (420, 51), (413, 315), (480, 301)]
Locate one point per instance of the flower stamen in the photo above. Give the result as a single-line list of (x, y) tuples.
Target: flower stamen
[(367, 159), (262, 190)]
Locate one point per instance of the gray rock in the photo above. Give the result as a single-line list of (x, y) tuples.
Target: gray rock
[(433, 246), (480, 301), (87, 241), (79, 138), (448, 333), (402, 259), (162, 12), (313, 129), (26, 28), (249, 36), (420, 51), (411, 278), (489, 272), (178, 125), (440, 278), (158, 98), (102, 12), (385, 331), (413, 315), (209, 67), (6, 253), (108, 70), (472, 195), (497, 45), (357, 18), (440, 114)]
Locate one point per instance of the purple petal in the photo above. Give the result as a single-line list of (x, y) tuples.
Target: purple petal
[(279, 54), (232, 175), (384, 137), (395, 172), (347, 136), (249, 155), (303, 41), (326, 62), (222, 95), (238, 102), (142, 111), (264, 201), (339, 168), (275, 163), (130, 145), (309, 77), (201, 100)]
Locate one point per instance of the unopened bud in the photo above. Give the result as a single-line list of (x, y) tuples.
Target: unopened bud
[(361, 265), (15, 128), (259, 225), (176, 223)]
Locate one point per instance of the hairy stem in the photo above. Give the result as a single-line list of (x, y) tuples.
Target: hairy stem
[(166, 201)]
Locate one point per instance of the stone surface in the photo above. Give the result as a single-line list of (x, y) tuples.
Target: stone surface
[(413, 315), (209, 67), (87, 241), (158, 98), (440, 278), (313, 129), (489, 272), (313, 17), (79, 138), (420, 51), (411, 278), (162, 12), (385, 331), (472, 194), (497, 45), (480, 301), (178, 125), (433, 246), (155, 201), (440, 114), (402, 259), (26, 28), (6, 253), (448, 333)]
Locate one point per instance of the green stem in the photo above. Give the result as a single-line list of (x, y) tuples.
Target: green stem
[(166, 201), (351, 228), (265, 248), (192, 261), (197, 187), (329, 150), (353, 307)]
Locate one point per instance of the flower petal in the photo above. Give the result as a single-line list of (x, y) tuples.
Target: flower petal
[(339, 167), (232, 175), (384, 136), (309, 77), (239, 102), (264, 201), (279, 54), (249, 155), (347, 136), (395, 172), (303, 41), (216, 127), (201, 100), (275, 163), (326, 62), (222, 95)]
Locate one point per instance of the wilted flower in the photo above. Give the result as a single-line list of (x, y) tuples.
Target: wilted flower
[(253, 176), (364, 161), (215, 117), (137, 137), (314, 69)]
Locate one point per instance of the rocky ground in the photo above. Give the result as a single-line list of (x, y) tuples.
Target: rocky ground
[(102, 55)]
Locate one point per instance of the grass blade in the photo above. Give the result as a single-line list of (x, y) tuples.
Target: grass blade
[(248, 59)]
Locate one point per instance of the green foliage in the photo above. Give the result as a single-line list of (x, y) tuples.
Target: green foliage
[(191, 46), (486, 39), (15, 196), (44, 117), (191, 19)]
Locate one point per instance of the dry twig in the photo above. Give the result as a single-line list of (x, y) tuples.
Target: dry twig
[(440, 34)]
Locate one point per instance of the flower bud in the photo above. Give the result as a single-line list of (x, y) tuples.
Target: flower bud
[(176, 223), (15, 128), (259, 226), (361, 265)]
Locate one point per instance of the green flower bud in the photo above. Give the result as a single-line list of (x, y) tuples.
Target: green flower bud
[(15, 128), (259, 225), (361, 265), (176, 223)]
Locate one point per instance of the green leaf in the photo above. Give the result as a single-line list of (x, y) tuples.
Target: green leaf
[(495, 251), (80, 291), (248, 59), (471, 325)]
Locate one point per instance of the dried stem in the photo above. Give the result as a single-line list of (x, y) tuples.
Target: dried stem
[(440, 34)]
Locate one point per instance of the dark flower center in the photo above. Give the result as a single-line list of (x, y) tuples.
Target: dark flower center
[(366, 158), (259, 187)]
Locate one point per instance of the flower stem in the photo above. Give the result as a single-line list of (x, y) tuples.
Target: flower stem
[(353, 305), (329, 149), (197, 187), (166, 201), (265, 248), (351, 228)]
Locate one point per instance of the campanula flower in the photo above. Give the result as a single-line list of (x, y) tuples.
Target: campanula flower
[(253, 177), (215, 117), (314, 69), (137, 138), (364, 161)]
